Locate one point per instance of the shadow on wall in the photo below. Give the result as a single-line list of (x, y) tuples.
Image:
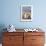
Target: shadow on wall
[(2, 26)]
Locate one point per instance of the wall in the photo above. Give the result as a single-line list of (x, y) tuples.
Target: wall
[(10, 13)]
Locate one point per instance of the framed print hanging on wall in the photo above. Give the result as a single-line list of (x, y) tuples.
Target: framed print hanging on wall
[(26, 13)]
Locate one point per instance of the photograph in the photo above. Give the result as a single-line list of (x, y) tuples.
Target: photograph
[(26, 13)]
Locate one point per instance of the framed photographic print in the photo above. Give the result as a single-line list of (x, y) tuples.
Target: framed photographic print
[(26, 13)]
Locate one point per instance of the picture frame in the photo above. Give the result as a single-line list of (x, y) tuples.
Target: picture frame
[(26, 12)]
